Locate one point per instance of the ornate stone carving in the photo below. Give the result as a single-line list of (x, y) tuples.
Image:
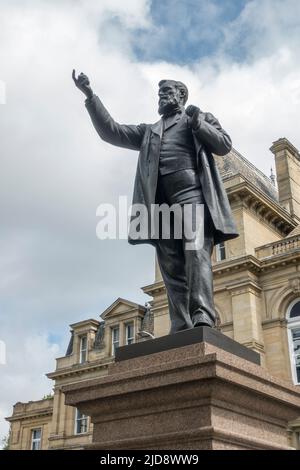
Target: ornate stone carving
[(295, 285)]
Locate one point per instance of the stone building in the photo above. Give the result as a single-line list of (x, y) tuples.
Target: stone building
[(257, 298)]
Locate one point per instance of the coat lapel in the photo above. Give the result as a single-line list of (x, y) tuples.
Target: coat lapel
[(172, 121), (157, 128)]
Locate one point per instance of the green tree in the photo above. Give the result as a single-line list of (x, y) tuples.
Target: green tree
[(48, 397), (5, 442)]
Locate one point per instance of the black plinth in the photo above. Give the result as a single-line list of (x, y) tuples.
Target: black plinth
[(184, 338)]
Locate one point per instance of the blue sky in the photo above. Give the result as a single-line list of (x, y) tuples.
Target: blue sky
[(186, 31), (239, 59)]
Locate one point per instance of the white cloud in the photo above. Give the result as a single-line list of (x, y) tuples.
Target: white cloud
[(263, 27), (251, 82), (2, 92), (54, 173), (23, 377)]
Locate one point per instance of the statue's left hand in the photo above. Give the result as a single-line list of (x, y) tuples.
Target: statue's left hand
[(195, 114)]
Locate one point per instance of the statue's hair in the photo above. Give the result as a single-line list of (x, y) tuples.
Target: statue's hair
[(181, 86)]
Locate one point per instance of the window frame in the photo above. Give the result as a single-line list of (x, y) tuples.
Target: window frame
[(81, 419), (127, 338), (292, 324), (35, 440), (113, 343), (82, 350), (220, 252)]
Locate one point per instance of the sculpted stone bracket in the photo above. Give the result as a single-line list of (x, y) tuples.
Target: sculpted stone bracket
[(295, 285)]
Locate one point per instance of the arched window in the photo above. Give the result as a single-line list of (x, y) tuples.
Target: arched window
[(295, 310), (293, 319)]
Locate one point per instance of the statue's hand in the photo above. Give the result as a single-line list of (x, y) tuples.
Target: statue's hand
[(83, 84), (195, 115)]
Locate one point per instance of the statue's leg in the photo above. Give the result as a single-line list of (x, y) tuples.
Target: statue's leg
[(170, 257), (199, 277)]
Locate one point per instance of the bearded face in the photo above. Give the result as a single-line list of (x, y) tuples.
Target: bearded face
[(170, 98)]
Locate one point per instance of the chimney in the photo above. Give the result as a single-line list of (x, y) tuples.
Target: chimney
[(287, 161)]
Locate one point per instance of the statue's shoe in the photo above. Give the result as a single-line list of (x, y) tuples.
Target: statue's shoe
[(203, 319)]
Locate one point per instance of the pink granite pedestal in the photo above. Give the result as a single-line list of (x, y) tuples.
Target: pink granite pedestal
[(193, 397)]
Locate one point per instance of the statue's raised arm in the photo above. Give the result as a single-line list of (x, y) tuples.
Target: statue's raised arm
[(121, 135)]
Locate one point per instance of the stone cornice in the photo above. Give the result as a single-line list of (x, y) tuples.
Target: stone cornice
[(270, 323), (64, 436), (255, 265), (227, 325), (30, 415), (87, 324), (77, 369), (280, 260), (259, 347), (245, 193), (241, 263), (284, 144), (244, 286), (247, 262), (155, 288)]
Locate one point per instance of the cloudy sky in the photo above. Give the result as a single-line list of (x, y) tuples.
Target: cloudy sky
[(240, 60)]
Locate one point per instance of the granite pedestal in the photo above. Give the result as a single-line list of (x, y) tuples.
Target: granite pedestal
[(186, 396)]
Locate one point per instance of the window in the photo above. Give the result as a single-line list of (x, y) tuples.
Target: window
[(129, 333), (83, 349), (295, 311), (293, 318), (36, 437), (81, 423), (115, 339), (220, 252), (296, 353)]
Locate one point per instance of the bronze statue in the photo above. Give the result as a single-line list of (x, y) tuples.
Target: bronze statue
[(176, 166)]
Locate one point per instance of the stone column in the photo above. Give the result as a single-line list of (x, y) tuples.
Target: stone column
[(287, 160), (246, 314)]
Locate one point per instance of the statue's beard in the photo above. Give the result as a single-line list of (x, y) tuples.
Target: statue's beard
[(168, 106)]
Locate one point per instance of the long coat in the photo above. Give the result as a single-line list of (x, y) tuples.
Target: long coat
[(208, 138)]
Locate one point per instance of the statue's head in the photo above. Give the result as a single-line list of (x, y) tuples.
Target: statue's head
[(171, 94)]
